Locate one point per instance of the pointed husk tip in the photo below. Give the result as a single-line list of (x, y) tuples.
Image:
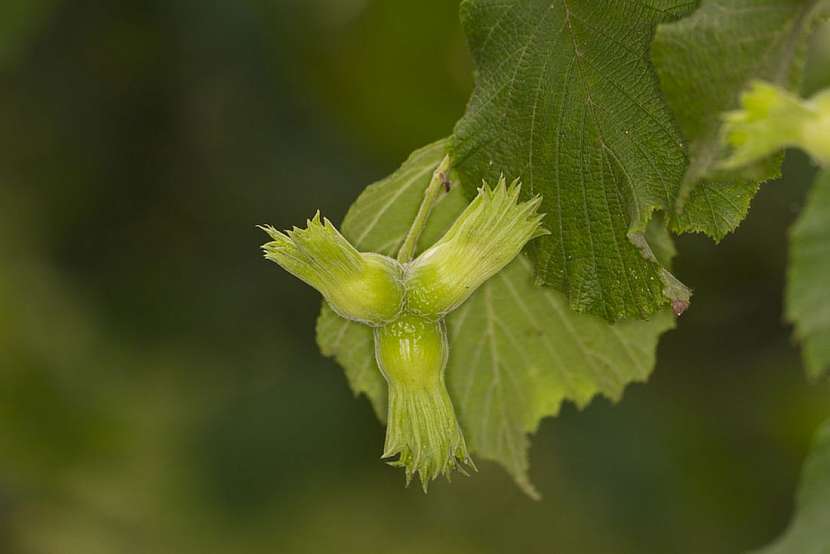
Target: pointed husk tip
[(423, 436)]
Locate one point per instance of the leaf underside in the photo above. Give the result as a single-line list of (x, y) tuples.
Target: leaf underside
[(516, 350), (567, 100), (808, 295), (808, 532), (704, 62)]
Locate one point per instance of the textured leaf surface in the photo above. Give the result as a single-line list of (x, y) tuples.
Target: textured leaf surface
[(704, 62), (566, 99), (809, 532), (516, 350), (808, 281)]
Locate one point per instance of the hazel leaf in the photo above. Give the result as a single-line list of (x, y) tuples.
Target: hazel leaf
[(705, 61), (808, 300), (807, 533), (516, 350), (566, 100)]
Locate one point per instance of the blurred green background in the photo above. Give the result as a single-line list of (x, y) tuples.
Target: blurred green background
[(160, 387)]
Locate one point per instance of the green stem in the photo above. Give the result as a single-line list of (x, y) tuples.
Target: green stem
[(433, 190)]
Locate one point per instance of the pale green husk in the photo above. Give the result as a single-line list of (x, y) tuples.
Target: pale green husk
[(364, 287), (406, 304), (487, 236), (423, 432), (772, 119)]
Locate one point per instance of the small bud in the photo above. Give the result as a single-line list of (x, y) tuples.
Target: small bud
[(772, 119), (487, 236), (363, 287), (422, 430)]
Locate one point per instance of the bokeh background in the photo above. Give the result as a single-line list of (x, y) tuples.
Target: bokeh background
[(160, 387)]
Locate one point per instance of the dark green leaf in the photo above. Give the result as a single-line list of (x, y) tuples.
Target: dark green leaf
[(566, 99), (704, 62)]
